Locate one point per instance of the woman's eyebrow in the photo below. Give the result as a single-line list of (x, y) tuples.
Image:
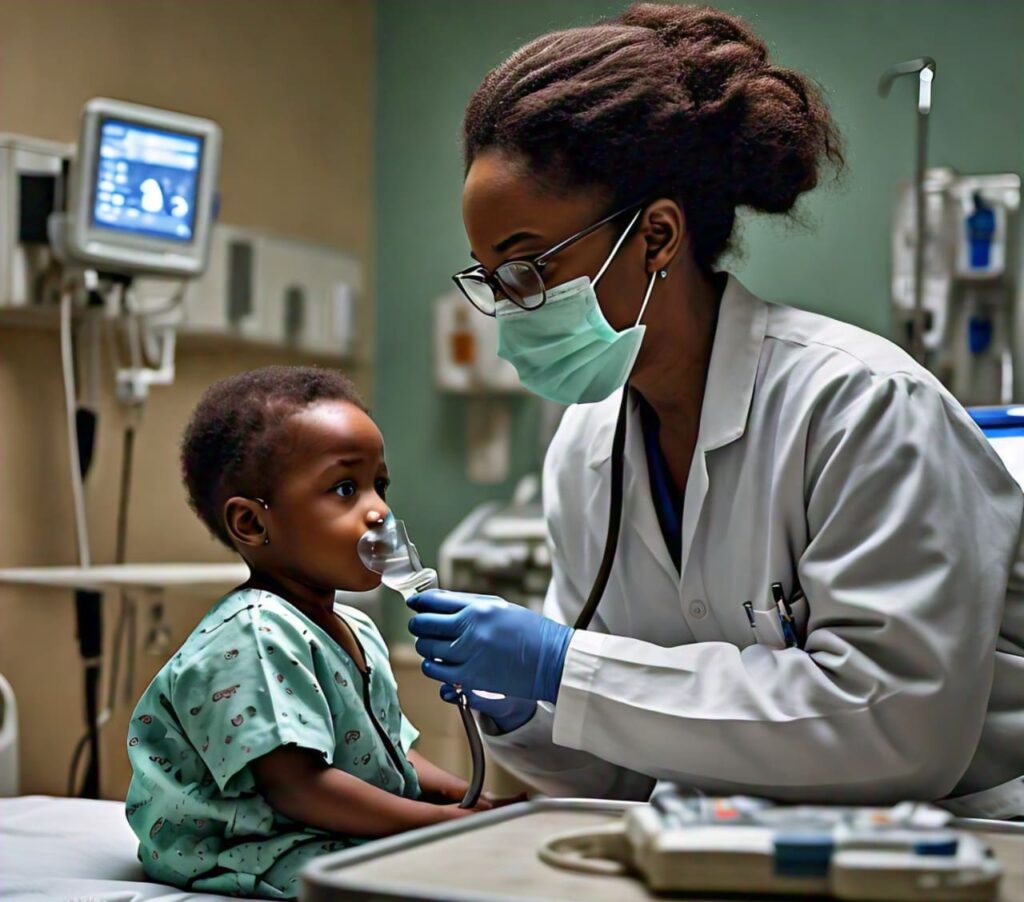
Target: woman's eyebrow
[(512, 240)]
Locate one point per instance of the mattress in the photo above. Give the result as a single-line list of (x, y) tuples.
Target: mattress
[(74, 849)]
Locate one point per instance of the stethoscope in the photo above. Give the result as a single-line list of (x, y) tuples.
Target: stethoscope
[(615, 507), (614, 517)]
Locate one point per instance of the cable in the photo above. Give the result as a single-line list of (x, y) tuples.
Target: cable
[(76, 756), (120, 555), (603, 850), (87, 604), (127, 459), (77, 479), (124, 630)]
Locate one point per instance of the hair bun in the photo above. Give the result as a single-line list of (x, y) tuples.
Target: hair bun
[(694, 25), (767, 121)]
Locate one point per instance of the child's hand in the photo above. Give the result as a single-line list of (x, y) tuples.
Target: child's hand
[(454, 794), (486, 802), (454, 811)]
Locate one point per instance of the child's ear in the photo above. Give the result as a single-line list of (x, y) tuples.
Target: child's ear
[(245, 521)]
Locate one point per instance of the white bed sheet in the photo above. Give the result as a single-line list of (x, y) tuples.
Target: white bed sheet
[(74, 850)]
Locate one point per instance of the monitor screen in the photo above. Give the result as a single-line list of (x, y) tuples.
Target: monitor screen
[(146, 180)]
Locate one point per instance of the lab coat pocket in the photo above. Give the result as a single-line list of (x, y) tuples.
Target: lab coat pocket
[(769, 627)]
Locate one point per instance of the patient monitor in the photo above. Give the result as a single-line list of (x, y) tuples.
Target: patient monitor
[(142, 191)]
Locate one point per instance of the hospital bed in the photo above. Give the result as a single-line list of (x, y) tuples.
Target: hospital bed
[(56, 848), (76, 849)]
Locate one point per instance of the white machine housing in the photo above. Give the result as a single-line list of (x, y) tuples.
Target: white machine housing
[(269, 289), (970, 299), (109, 229), (31, 183), (501, 549)]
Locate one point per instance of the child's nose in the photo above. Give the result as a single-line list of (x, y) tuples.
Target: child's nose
[(377, 514)]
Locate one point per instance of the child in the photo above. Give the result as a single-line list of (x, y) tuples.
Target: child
[(275, 734)]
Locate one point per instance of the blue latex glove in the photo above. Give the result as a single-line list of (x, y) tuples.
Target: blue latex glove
[(484, 642), (508, 713)]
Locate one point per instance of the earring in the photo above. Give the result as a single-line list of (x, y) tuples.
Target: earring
[(663, 274), (266, 507)]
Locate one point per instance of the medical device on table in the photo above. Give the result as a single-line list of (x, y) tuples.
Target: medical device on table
[(386, 549), (696, 844)]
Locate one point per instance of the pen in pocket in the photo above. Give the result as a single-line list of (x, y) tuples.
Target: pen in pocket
[(749, 609), (785, 616)]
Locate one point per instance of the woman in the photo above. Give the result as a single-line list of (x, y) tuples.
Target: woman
[(763, 445)]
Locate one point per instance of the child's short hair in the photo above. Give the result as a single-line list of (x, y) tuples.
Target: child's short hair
[(229, 444)]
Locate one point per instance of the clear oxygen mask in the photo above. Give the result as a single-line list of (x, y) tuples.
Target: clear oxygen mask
[(386, 549)]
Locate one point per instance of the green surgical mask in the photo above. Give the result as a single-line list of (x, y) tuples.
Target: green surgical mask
[(565, 350)]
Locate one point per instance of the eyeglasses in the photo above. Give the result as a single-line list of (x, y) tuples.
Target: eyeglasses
[(521, 281)]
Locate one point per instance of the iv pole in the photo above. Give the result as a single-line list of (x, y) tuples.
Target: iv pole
[(924, 68)]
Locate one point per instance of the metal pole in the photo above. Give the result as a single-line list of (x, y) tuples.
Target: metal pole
[(924, 68), (917, 337)]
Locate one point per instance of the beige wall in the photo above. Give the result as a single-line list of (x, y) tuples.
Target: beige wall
[(291, 84)]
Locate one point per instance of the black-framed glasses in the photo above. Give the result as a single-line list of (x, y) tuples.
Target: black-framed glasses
[(521, 281)]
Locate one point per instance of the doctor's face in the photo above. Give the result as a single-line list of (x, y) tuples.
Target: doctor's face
[(510, 214)]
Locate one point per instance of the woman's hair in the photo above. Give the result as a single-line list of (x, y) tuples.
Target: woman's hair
[(231, 445), (670, 101)]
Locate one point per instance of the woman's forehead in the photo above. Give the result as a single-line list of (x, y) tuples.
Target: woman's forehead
[(502, 198)]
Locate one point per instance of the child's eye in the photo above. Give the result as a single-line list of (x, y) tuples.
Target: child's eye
[(382, 486), (346, 488)]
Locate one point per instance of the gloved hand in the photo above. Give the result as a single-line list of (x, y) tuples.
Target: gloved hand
[(508, 713), (484, 642)]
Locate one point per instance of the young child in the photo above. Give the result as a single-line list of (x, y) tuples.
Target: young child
[(275, 734)]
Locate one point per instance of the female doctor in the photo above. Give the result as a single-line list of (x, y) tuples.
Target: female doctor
[(762, 444)]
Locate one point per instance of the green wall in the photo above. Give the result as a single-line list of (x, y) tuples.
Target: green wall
[(433, 53)]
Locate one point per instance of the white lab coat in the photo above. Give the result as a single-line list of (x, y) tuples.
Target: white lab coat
[(829, 461)]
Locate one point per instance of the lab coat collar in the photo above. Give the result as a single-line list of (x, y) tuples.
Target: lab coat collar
[(735, 353)]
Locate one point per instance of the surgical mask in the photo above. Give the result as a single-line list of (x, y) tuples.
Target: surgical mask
[(565, 350)]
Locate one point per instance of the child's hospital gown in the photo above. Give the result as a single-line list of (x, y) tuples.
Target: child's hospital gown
[(255, 674)]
